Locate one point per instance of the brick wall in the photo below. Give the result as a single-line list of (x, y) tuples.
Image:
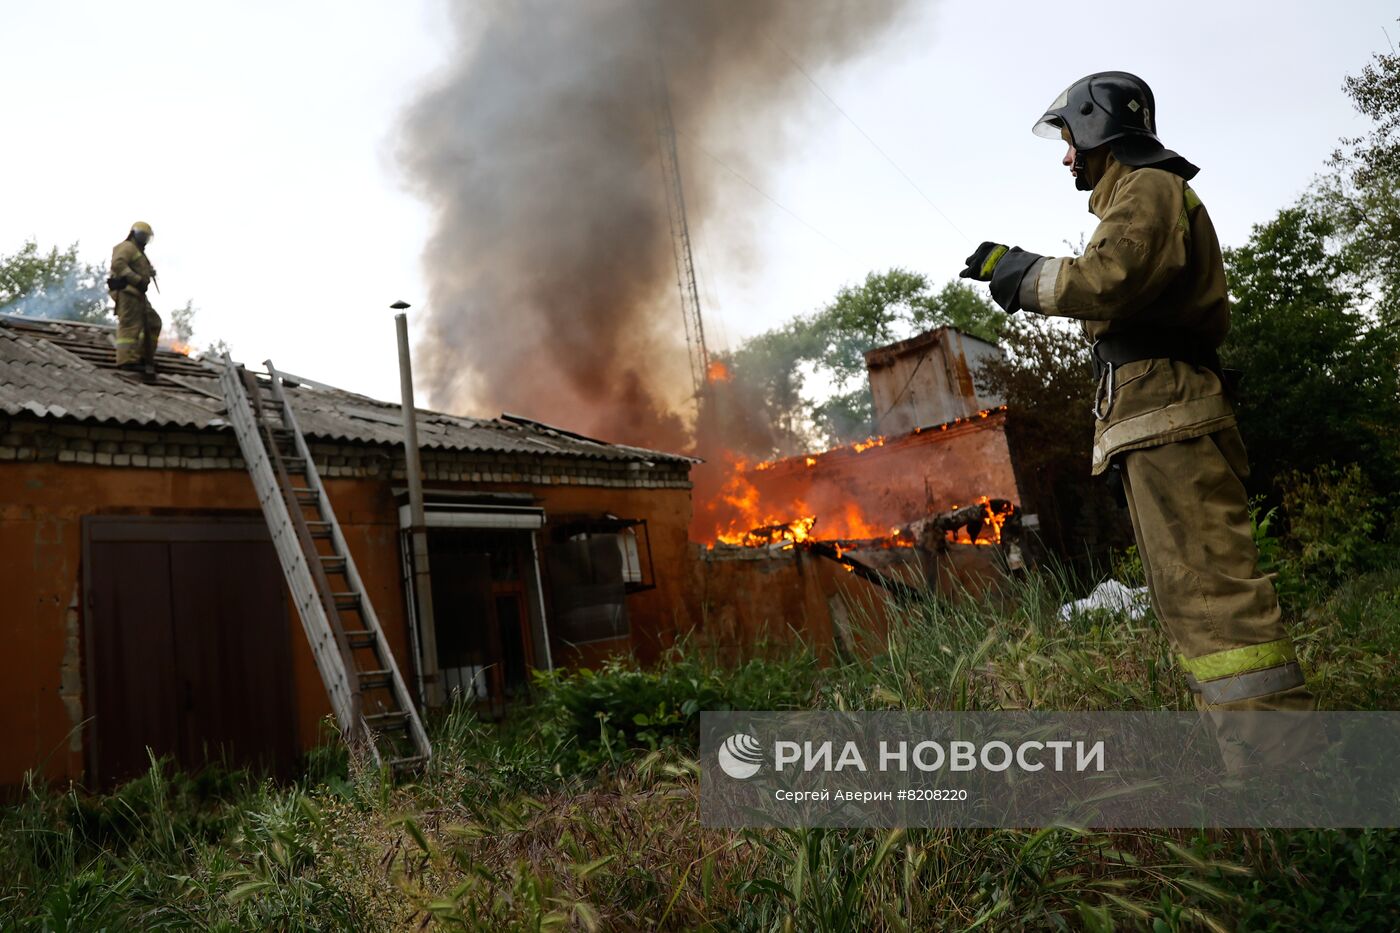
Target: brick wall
[(32, 439)]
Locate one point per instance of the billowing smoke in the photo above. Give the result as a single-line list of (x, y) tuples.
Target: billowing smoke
[(552, 280)]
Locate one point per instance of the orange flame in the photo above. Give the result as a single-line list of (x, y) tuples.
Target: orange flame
[(717, 372), (748, 513), (990, 532), (755, 507)]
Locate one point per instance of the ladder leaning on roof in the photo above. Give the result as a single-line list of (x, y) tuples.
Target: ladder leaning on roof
[(371, 704)]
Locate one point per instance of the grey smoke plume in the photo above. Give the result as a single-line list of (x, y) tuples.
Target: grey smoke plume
[(552, 281)]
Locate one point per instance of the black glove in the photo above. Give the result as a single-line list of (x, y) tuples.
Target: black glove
[(116, 283), (982, 263), (1006, 279), (1004, 267)]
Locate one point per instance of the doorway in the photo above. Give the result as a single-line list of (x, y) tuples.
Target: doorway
[(481, 601), (187, 646)]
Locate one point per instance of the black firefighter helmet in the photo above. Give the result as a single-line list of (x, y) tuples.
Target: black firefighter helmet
[(1116, 109)]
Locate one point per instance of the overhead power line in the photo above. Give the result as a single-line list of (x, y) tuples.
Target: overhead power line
[(868, 138), (772, 200)]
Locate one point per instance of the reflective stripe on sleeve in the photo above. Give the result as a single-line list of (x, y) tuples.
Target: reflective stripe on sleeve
[(1045, 285)]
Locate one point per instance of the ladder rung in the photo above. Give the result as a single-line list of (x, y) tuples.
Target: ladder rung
[(363, 638), (403, 764), (375, 680), (319, 529), (306, 496), (346, 600), (332, 563), (393, 715)]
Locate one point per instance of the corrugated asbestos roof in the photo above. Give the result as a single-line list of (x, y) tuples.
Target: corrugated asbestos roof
[(66, 370)]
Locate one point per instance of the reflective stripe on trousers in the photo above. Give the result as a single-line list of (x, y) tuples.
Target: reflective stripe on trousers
[(1244, 673)]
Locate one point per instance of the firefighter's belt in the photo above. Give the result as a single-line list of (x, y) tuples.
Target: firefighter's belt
[(1160, 343)]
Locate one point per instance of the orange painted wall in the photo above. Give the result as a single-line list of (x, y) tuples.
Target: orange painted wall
[(41, 509)]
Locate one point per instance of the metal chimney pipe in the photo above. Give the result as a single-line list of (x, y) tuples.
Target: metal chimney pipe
[(418, 528)]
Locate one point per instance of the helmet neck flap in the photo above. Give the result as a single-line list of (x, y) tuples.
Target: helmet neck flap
[(1116, 109)]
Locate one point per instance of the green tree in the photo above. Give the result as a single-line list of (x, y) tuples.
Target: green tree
[(1362, 196), (1047, 382), (53, 284), (807, 378), (1322, 372)]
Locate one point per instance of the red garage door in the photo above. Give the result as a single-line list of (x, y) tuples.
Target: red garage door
[(188, 646)]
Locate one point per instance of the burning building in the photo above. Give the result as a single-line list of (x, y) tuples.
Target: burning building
[(935, 502), (144, 604)]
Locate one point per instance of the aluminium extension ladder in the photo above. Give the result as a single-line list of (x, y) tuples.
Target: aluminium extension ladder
[(372, 706)]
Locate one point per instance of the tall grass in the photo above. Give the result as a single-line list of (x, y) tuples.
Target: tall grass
[(581, 812)]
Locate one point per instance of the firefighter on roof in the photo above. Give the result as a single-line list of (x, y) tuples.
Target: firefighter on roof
[(1150, 294), (138, 325)]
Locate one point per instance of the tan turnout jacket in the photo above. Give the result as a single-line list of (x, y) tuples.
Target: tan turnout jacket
[(130, 261), (1153, 263)]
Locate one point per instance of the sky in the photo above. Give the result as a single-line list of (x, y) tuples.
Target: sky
[(259, 140)]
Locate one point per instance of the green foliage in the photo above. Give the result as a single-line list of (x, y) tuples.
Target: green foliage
[(825, 883), (1323, 880), (522, 900), (53, 284), (1128, 569), (1322, 376), (1363, 197), (808, 378), (1274, 558), (277, 882), (1376, 94), (1350, 637), (1333, 516), (604, 715), (579, 811)]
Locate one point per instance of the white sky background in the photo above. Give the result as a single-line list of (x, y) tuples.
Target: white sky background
[(258, 139)]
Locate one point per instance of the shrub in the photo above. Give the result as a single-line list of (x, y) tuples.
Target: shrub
[(621, 706), (1333, 515)]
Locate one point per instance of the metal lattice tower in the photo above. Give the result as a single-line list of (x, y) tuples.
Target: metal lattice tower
[(680, 235)]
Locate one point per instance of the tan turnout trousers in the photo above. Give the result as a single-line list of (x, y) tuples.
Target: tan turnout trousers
[(1191, 519), (138, 328)]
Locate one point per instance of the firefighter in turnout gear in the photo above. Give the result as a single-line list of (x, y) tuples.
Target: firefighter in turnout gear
[(138, 325), (1150, 294)]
